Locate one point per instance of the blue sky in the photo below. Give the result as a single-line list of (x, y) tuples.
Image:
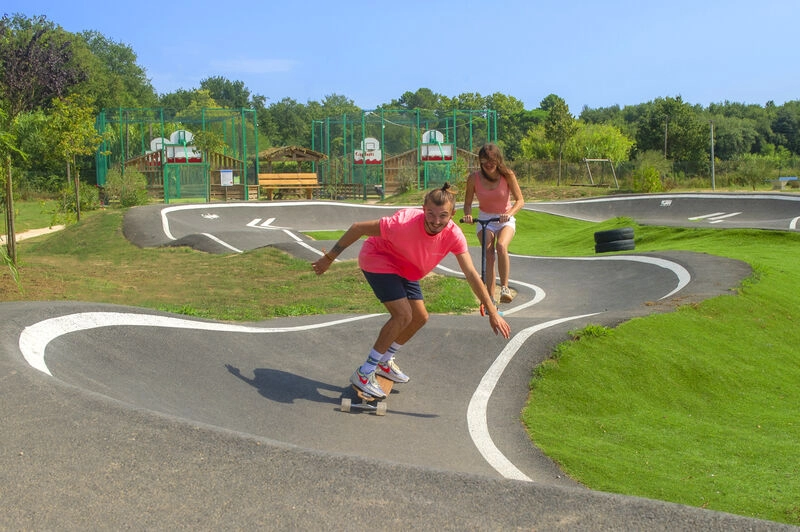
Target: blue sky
[(590, 53)]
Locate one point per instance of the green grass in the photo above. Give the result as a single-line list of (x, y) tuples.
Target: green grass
[(698, 406), (92, 261), (32, 215)]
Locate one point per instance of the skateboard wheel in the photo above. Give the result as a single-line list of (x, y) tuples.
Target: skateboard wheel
[(346, 404), (380, 410)]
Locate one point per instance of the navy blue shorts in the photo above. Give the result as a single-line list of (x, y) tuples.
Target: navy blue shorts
[(391, 287)]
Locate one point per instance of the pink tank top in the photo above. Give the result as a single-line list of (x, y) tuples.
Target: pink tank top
[(495, 201)]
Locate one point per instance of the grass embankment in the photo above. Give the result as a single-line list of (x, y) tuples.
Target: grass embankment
[(698, 406)]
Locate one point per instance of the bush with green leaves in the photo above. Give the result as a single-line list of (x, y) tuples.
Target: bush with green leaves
[(407, 179), (128, 189), (646, 179), (65, 211), (753, 170)]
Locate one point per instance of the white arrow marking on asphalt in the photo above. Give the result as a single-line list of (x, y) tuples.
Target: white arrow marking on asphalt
[(266, 224), (718, 219), (695, 218)]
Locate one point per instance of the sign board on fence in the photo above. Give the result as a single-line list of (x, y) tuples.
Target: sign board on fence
[(226, 177)]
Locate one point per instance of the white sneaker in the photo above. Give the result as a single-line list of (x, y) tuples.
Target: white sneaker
[(390, 371), (505, 295), (367, 384)]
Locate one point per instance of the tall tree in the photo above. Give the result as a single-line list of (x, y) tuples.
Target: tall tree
[(7, 147), (36, 61), (512, 122), (534, 145), (288, 123), (733, 136), (598, 141), (175, 101), (71, 125), (787, 126), (422, 98), (337, 105), (469, 101), (35, 67), (559, 126), (227, 93), (678, 129), (115, 79), (550, 101)]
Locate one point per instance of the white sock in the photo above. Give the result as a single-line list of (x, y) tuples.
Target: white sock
[(391, 352), (372, 362)]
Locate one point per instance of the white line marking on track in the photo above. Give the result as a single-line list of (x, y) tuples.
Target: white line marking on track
[(34, 339), (222, 243), (683, 275), (793, 223), (539, 293), (718, 219), (165, 220), (303, 244), (476, 411), (695, 218), (729, 215)]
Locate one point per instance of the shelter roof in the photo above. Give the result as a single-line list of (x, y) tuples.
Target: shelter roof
[(290, 153)]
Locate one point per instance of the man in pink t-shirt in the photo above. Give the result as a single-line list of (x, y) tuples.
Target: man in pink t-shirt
[(400, 250)]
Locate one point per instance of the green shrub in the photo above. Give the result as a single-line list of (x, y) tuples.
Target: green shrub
[(65, 210), (128, 189), (408, 179), (646, 179)]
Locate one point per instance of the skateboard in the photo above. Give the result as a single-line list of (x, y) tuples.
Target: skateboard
[(379, 406)]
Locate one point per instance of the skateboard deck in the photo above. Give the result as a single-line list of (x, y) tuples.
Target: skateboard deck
[(368, 402)]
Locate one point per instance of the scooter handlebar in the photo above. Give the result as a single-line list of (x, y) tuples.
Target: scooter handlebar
[(482, 222)]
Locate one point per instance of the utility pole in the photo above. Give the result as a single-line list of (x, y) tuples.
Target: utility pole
[(713, 184), (666, 128)]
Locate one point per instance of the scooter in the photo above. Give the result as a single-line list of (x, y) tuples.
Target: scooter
[(484, 223)]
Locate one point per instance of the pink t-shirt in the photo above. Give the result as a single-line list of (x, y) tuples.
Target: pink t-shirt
[(495, 201), (406, 249)]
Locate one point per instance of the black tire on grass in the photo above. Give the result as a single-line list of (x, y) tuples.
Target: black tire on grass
[(612, 235), (616, 245)]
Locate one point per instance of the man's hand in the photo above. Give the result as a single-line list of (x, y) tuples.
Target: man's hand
[(499, 325), (322, 264)]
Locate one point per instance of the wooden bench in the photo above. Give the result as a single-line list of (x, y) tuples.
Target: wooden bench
[(304, 182)]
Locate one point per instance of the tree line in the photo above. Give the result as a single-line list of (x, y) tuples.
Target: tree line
[(67, 75)]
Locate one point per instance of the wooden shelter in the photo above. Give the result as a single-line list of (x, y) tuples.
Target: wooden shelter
[(297, 179), (284, 154)]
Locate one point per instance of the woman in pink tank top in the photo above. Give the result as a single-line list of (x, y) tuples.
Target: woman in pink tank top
[(494, 185)]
